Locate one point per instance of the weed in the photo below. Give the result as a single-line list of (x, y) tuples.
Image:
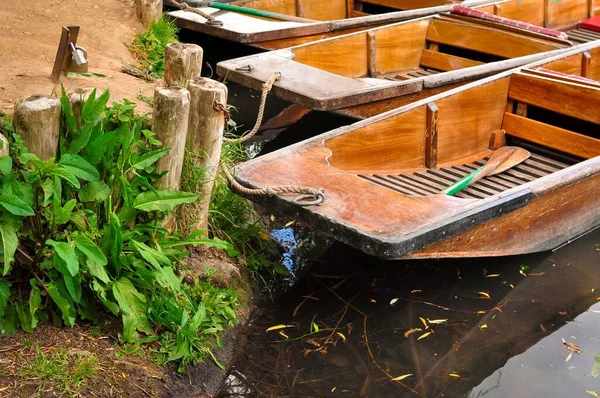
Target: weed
[(148, 47), (70, 372)]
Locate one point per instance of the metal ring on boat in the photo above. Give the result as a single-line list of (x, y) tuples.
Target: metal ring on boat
[(304, 200)]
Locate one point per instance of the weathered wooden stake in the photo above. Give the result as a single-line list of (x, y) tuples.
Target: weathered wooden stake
[(205, 138), (183, 62), (37, 120), (148, 10), (3, 146), (170, 123)]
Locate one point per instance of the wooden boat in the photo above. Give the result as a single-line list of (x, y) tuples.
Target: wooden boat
[(382, 175), (308, 20)]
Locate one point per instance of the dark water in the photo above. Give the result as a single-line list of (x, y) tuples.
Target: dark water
[(348, 315)]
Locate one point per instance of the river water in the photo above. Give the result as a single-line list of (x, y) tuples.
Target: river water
[(348, 324)]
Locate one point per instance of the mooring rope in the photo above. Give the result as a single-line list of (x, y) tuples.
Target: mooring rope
[(307, 196), (187, 7)]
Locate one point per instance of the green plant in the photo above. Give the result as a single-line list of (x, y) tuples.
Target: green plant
[(149, 46), (69, 372), (84, 232)]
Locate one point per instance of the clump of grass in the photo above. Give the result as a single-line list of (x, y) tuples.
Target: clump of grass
[(148, 47), (70, 372)]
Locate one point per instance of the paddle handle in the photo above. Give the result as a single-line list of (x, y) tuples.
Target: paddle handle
[(258, 13), (462, 183)]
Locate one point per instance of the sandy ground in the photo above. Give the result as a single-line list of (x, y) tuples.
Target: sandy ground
[(29, 35)]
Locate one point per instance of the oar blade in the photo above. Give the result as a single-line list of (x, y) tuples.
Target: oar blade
[(513, 157)]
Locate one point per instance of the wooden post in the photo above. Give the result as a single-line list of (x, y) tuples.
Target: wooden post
[(3, 146), (37, 120), (372, 49), (148, 11), (183, 62), (431, 136), (586, 64), (170, 123), (205, 138)]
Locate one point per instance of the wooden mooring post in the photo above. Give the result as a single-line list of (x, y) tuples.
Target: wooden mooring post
[(205, 139), (183, 62), (148, 11), (37, 120)]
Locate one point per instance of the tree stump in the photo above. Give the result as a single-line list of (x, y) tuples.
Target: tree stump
[(205, 139), (183, 62), (37, 120), (170, 123), (148, 11)]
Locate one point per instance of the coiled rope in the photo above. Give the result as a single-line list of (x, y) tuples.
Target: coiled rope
[(307, 196)]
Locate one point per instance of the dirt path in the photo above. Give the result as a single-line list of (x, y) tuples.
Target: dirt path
[(29, 35)]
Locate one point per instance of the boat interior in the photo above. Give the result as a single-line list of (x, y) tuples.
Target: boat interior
[(403, 58), (383, 176)]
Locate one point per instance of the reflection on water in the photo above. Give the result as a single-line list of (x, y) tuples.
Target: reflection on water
[(460, 328)]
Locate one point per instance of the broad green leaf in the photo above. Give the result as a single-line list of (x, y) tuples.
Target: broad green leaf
[(27, 157), (5, 165), (63, 302), (166, 278), (103, 296), (15, 205), (148, 158), (4, 296), (93, 108), (97, 147), (199, 317), (81, 140), (64, 213), (67, 111), (48, 188), (133, 307), (10, 321), (95, 191), (79, 166), (24, 317), (97, 271), (35, 302), (66, 252), (162, 200), (117, 242), (151, 255), (89, 248), (65, 175), (10, 241), (72, 282)]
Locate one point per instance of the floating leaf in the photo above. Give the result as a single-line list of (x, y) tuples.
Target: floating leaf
[(393, 301), (416, 291), (480, 312), (455, 375), (423, 335), (568, 358), (492, 275), (341, 335), (592, 393), (484, 295), (524, 267), (411, 331), (278, 327), (424, 323), (483, 327), (285, 336), (399, 378), (595, 372), (511, 285), (372, 300), (572, 347), (522, 273), (437, 321), (290, 223)]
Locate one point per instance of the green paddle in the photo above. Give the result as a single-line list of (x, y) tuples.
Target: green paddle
[(501, 160)]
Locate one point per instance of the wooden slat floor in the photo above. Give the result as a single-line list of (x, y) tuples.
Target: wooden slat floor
[(583, 35), (430, 182)]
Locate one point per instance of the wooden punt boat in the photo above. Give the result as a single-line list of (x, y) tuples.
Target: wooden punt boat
[(381, 176), (393, 61), (309, 20)]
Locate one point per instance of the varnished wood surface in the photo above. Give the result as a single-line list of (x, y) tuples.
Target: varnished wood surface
[(566, 12), (445, 62)]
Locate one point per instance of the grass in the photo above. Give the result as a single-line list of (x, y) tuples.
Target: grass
[(70, 372), (148, 47)]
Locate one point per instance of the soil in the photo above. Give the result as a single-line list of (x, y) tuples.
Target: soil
[(29, 35)]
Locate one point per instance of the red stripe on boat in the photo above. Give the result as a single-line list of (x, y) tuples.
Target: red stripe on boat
[(573, 77), (469, 12)]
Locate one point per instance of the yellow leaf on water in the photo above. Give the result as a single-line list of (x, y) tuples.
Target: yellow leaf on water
[(493, 275), (454, 375), (512, 286), (264, 235), (416, 291), (333, 389), (480, 312), (485, 295), (522, 273), (424, 323), (568, 358), (272, 218), (372, 300), (277, 327), (498, 309), (341, 335), (423, 335), (411, 331), (289, 223), (283, 334), (592, 393), (4, 388), (437, 321), (393, 301), (483, 327), (402, 377)]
